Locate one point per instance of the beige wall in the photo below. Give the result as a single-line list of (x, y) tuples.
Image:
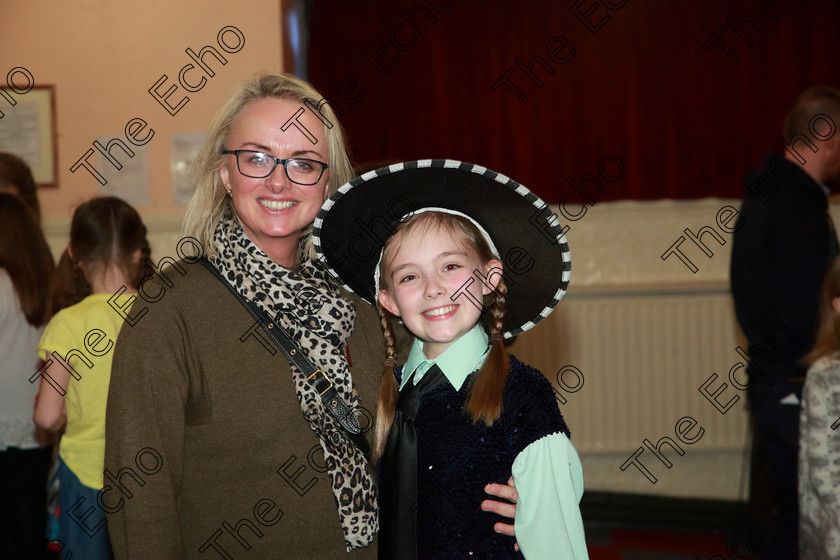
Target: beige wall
[(103, 56)]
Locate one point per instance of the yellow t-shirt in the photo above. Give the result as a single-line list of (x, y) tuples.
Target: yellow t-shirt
[(87, 331)]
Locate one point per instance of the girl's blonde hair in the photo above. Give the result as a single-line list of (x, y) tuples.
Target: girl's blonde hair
[(828, 331), (484, 403), (209, 201)]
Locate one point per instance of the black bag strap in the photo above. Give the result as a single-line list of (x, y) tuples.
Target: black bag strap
[(333, 402)]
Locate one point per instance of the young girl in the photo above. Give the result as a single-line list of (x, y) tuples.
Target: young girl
[(106, 253), (819, 440), (460, 412), (25, 269)]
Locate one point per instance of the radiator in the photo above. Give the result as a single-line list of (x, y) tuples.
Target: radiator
[(627, 366)]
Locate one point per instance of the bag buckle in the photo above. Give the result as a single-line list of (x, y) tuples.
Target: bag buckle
[(314, 376)]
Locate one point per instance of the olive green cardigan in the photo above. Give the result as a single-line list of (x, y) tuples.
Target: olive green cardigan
[(207, 453)]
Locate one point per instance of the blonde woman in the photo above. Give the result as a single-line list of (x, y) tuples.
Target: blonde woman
[(243, 456)]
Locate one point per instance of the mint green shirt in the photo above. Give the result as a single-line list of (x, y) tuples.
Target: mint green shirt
[(547, 474), (457, 362)]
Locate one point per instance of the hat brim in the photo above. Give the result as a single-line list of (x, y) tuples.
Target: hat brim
[(355, 222)]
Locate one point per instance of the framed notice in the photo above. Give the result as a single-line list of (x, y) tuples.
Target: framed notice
[(27, 129)]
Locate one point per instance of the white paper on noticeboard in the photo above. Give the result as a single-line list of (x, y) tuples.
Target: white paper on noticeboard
[(185, 148), (131, 183)]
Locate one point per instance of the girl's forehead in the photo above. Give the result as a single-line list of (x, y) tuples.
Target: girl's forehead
[(428, 230), (430, 239)]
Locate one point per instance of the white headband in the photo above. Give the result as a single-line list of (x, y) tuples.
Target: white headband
[(434, 209)]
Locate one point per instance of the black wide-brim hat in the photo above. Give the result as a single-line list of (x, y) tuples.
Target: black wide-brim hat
[(354, 223)]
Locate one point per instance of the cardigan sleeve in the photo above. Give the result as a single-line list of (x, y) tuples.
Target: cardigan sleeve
[(145, 425), (549, 481)]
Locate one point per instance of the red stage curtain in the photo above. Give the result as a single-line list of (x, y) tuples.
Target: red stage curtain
[(639, 94)]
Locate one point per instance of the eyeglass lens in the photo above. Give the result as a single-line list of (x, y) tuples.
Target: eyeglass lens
[(258, 165)]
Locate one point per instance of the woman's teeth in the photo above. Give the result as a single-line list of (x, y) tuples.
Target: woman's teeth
[(440, 311), (277, 204)]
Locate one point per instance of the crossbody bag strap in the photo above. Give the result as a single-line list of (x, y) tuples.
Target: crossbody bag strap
[(315, 376)]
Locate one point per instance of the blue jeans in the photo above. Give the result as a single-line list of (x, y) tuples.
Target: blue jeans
[(82, 526)]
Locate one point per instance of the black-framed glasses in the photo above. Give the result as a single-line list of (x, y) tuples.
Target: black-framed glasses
[(259, 165)]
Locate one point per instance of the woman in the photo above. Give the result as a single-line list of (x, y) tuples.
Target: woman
[(217, 446), (26, 266)]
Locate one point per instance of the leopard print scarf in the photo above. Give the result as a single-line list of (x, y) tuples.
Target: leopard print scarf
[(320, 322)]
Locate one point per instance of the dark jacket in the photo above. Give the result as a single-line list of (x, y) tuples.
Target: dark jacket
[(780, 253)]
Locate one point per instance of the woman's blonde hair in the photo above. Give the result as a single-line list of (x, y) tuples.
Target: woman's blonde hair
[(209, 201)]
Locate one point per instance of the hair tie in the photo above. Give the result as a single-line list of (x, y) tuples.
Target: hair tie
[(496, 337), (390, 362)]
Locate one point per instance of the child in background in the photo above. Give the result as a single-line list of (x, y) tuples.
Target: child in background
[(460, 411), (819, 441), (106, 253), (26, 266)]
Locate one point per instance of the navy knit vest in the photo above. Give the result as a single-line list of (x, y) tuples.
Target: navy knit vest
[(456, 459)]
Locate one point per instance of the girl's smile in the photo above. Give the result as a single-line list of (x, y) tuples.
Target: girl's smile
[(441, 313)]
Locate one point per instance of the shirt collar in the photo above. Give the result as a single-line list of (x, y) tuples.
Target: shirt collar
[(457, 362)]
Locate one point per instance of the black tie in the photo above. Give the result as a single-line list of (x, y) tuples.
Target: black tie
[(398, 479)]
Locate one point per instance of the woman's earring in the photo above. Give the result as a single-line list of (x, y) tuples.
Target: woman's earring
[(228, 191)]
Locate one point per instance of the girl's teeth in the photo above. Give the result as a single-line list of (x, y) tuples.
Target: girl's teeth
[(278, 204), (440, 311)]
